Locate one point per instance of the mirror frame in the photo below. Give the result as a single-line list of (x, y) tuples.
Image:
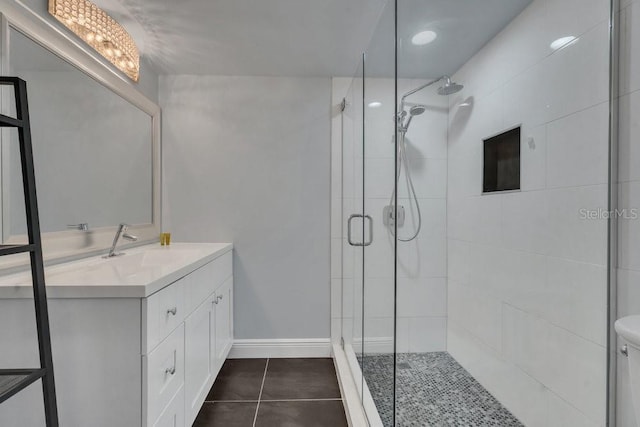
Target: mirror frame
[(61, 246)]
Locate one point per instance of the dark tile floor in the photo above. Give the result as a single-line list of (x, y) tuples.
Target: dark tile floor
[(274, 393)]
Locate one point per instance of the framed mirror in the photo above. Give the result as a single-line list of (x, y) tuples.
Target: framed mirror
[(96, 145)]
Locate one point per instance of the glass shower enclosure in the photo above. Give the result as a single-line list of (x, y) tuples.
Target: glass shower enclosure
[(474, 266)]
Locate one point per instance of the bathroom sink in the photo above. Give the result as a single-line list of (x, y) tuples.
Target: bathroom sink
[(138, 273), (133, 265), (629, 329), (151, 257)]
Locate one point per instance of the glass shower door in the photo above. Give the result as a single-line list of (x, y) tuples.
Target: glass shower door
[(368, 276), (379, 163), (352, 245)]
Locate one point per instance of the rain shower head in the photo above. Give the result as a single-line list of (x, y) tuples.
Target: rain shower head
[(449, 87)]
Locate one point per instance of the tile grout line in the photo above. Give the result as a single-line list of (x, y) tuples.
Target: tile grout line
[(264, 377)]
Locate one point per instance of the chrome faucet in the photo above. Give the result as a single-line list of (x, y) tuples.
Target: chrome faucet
[(82, 226), (122, 231)]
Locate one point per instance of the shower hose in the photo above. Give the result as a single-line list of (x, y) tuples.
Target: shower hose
[(402, 158)]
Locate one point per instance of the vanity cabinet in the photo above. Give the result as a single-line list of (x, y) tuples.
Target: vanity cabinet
[(208, 339), (122, 359), (188, 338)]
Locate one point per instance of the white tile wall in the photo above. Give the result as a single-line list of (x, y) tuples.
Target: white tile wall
[(476, 312), (521, 393), (576, 155), (628, 192), (629, 154), (629, 228), (629, 44), (571, 367), (526, 272), (533, 168)]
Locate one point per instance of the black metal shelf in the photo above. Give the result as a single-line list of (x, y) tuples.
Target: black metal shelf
[(14, 380), (6, 121), (15, 249)]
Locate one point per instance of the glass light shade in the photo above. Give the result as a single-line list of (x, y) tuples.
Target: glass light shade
[(101, 32)]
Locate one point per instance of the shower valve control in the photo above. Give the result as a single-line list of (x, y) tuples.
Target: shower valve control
[(389, 216)]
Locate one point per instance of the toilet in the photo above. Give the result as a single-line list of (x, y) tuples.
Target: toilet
[(629, 329)]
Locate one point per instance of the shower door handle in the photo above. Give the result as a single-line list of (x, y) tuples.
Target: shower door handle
[(370, 230), (351, 218)]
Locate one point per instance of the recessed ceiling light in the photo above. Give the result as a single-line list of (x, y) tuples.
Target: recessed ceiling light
[(562, 41), (375, 104), (424, 37)]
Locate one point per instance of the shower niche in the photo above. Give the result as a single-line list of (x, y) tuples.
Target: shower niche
[(501, 163)]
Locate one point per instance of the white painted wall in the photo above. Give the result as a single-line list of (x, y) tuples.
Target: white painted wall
[(246, 160), (527, 275), (629, 191)]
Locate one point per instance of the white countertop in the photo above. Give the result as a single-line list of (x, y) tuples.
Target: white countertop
[(139, 273)]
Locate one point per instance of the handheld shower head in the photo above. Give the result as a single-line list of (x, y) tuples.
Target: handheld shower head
[(449, 87), (416, 110)]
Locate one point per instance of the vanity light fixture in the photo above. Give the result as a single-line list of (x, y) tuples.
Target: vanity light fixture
[(101, 32)]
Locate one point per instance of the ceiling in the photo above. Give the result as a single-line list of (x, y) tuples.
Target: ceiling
[(308, 37), (463, 27), (251, 37)]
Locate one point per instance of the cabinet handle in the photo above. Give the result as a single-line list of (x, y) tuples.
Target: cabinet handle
[(170, 371), (219, 297), (172, 311)]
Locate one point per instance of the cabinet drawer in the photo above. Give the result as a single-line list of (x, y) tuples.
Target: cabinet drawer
[(162, 313), (163, 374), (173, 414), (205, 280)]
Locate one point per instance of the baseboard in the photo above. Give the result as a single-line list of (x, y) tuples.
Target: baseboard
[(279, 348)]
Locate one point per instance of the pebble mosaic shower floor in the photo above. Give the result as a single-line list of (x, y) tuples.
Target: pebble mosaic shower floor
[(432, 390)]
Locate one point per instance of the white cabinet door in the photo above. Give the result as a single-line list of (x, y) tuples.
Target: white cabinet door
[(223, 323), (200, 336), (173, 414)]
